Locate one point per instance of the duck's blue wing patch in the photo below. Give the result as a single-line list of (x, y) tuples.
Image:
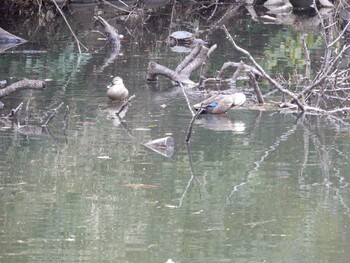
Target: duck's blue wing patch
[(213, 104)]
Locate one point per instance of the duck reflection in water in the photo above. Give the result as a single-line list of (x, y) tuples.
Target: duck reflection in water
[(220, 123)]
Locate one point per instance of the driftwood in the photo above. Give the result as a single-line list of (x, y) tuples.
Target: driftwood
[(23, 84), (183, 71)]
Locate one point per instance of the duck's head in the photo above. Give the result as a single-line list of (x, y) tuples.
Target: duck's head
[(117, 81)]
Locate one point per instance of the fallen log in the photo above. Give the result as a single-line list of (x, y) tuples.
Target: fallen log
[(23, 84), (184, 70)]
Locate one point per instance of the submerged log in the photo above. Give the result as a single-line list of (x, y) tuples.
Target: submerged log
[(22, 84)]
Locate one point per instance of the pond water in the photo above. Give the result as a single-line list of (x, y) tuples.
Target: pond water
[(252, 186)]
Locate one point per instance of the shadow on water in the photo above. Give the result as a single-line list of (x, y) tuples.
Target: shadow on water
[(254, 185)]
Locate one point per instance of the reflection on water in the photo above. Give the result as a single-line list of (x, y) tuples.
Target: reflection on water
[(220, 122), (252, 186)]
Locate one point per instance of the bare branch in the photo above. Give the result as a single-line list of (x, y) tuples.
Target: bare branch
[(264, 74), (53, 113), (190, 126), (14, 111), (255, 85), (114, 6), (187, 100), (64, 121), (126, 103), (237, 72), (307, 57), (71, 30), (245, 67)]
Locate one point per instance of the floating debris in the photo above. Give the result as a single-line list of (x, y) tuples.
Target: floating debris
[(163, 146)]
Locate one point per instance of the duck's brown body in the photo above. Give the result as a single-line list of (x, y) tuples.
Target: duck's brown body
[(117, 90), (218, 104)]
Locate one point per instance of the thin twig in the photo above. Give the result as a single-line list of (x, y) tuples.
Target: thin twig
[(53, 113), (202, 74), (116, 7), (172, 14), (255, 85), (340, 35), (237, 71), (187, 100), (307, 57), (71, 30), (14, 111), (122, 2), (236, 65), (264, 74), (331, 112), (193, 176), (26, 118), (190, 126), (325, 74), (64, 121), (126, 103), (214, 11), (211, 49)]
